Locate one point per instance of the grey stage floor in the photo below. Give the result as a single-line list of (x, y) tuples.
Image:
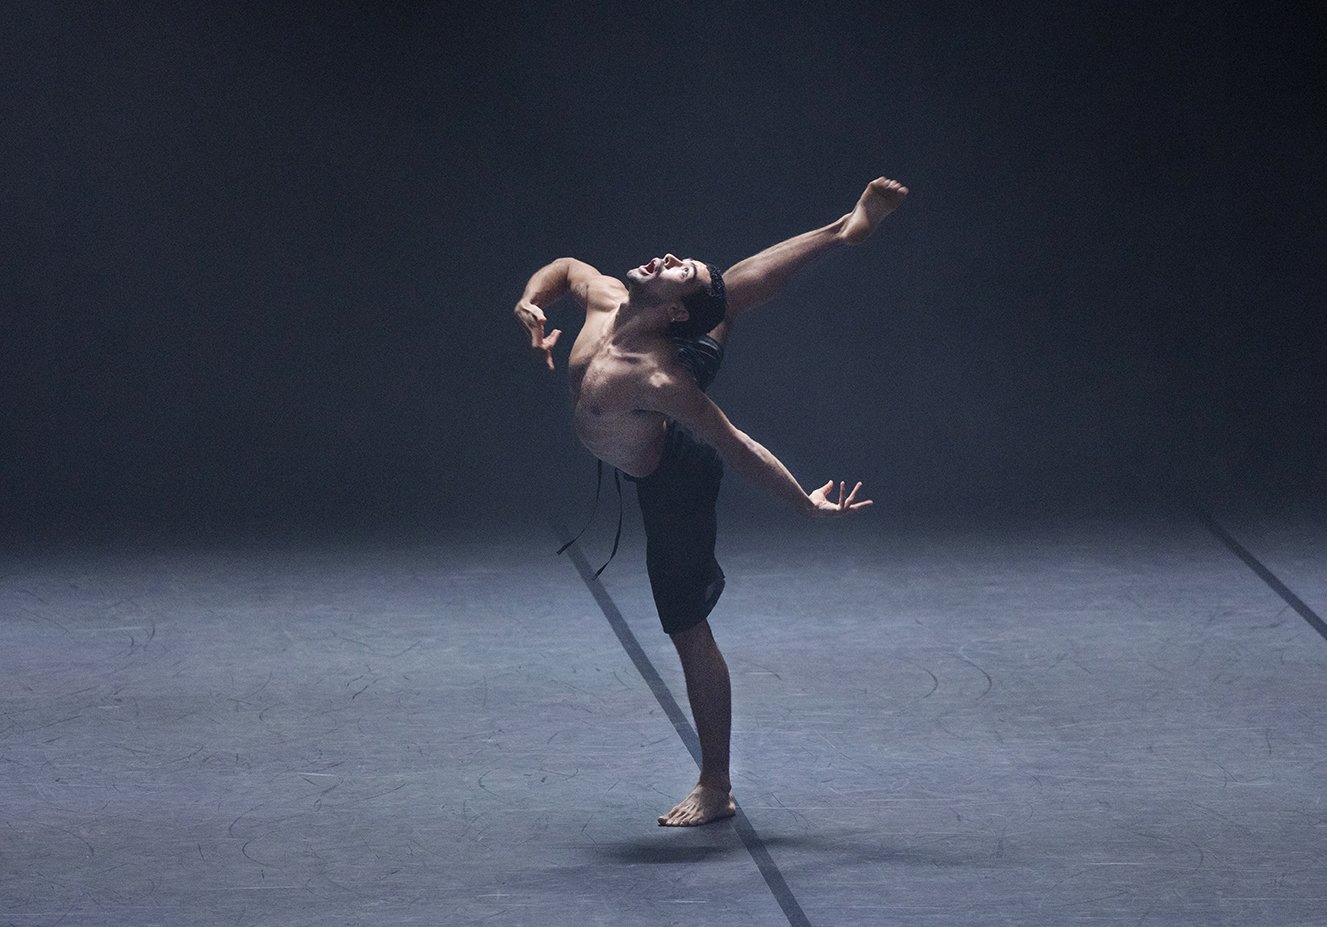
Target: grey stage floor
[(1059, 721)]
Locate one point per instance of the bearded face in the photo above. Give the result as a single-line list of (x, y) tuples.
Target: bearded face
[(666, 278)]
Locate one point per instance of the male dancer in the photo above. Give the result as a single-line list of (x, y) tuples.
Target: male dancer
[(638, 374)]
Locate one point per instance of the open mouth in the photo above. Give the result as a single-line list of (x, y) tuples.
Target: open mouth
[(648, 269)]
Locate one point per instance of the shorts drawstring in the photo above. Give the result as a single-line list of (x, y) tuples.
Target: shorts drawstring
[(617, 538)]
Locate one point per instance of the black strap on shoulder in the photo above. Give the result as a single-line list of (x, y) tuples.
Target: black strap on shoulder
[(594, 510)]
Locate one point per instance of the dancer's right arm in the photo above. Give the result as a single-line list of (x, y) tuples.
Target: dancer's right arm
[(549, 284)]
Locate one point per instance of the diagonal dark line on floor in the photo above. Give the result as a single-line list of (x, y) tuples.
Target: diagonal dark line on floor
[(1266, 575), (1170, 493), (741, 823)]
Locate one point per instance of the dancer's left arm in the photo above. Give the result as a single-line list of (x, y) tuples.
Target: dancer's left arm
[(678, 397)]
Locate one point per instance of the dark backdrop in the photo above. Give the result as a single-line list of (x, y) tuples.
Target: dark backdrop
[(260, 259)]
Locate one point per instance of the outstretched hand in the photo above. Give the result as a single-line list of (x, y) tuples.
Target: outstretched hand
[(824, 508), (532, 317)]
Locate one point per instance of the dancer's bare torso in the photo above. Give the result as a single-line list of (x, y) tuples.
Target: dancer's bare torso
[(608, 384)]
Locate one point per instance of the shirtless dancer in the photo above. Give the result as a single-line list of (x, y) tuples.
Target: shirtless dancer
[(638, 371)]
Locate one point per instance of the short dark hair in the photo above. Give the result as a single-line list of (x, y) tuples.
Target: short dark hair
[(706, 308)]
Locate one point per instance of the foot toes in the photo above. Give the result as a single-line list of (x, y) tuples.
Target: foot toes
[(672, 819)]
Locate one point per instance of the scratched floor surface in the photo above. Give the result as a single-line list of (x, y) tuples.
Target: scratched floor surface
[(1064, 721)]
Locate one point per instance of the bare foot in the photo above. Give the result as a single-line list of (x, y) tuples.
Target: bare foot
[(881, 197), (704, 804)]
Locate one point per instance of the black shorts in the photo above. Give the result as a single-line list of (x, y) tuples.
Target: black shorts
[(678, 502)]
